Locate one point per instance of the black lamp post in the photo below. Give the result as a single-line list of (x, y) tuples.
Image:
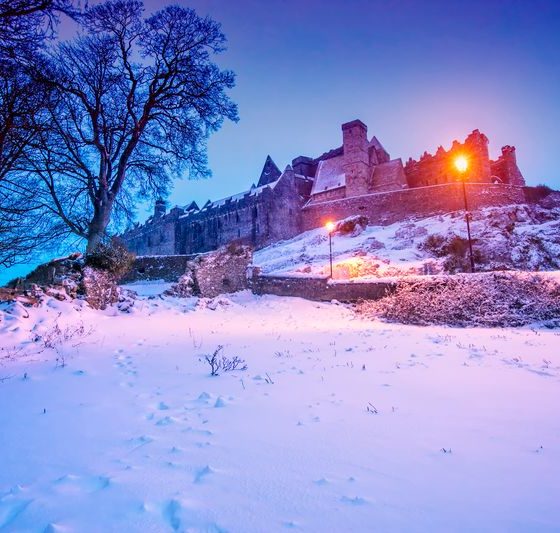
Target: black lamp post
[(330, 229), (462, 164)]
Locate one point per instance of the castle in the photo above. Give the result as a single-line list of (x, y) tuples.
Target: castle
[(358, 177)]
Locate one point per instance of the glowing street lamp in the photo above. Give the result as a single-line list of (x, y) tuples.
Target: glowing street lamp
[(462, 164), (330, 228)]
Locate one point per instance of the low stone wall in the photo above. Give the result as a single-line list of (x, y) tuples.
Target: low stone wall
[(222, 271), (391, 207), (208, 275), (320, 288), (151, 267)]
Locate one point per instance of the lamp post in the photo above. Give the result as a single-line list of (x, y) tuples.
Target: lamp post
[(330, 228), (462, 164)]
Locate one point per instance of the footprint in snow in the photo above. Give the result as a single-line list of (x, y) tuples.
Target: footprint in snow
[(202, 473), (72, 483), (175, 450), (138, 442), (356, 500), (171, 513), (205, 432), (220, 402), (166, 421)]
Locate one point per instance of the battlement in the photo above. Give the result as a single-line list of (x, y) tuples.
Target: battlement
[(439, 168)]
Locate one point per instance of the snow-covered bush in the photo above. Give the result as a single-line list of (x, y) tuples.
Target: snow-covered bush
[(488, 300), (98, 287), (112, 257), (352, 226)]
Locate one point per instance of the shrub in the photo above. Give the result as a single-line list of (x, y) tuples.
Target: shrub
[(219, 362), (353, 225), (434, 244), (454, 248), (541, 191), (487, 300), (113, 257)]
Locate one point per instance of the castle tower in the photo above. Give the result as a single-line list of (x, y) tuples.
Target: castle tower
[(477, 146), (356, 157), (159, 208), (511, 172)]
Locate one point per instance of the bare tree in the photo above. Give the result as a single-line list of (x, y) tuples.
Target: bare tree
[(25, 24), (134, 100), (25, 27)]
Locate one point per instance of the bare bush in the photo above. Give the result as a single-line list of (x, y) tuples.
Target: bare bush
[(57, 337), (219, 362), (488, 300)]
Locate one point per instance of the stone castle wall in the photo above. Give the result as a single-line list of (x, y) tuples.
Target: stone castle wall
[(388, 208), (258, 217), (357, 178)]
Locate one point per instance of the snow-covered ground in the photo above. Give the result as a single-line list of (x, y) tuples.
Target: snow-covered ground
[(521, 236), (338, 424)]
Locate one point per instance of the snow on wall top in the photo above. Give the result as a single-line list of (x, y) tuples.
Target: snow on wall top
[(330, 175), (254, 191)]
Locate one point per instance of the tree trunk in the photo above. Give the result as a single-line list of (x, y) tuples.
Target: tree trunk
[(98, 225)]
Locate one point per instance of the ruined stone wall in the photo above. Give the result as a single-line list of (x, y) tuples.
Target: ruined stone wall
[(222, 271), (217, 272), (320, 288), (440, 168), (164, 267), (505, 167), (391, 207)]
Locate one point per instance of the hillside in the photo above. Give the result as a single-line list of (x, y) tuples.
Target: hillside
[(524, 237)]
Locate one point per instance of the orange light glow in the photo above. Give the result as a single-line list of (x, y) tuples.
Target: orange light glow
[(461, 163), (330, 226)]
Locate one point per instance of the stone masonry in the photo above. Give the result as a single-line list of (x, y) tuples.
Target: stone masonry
[(357, 178)]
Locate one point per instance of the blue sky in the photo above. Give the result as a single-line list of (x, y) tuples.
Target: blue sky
[(418, 73)]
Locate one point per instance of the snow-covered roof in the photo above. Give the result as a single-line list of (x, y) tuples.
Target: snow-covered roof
[(254, 191), (330, 175)]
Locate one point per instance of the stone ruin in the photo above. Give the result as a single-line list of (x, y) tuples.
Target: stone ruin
[(214, 273)]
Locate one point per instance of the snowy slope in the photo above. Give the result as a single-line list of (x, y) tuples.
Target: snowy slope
[(338, 424), (522, 237)]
